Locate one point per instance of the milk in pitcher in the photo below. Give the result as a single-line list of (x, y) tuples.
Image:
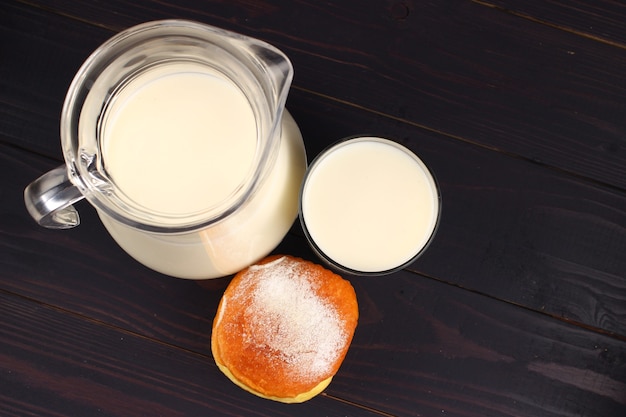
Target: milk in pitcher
[(180, 139)]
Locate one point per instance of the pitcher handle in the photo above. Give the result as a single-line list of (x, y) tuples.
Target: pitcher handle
[(49, 200)]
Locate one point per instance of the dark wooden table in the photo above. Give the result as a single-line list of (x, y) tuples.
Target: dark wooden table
[(517, 309)]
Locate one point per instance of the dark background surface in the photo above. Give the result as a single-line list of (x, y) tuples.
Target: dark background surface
[(518, 308)]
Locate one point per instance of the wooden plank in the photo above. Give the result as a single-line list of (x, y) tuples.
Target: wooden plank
[(421, 348), (55, 363), (509, 228), (39, 62), (532, 236), (416, 337), (478, 75), (452, 352), (603, 20)]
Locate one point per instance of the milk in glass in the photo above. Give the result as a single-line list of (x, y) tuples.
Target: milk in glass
[(369, 205)]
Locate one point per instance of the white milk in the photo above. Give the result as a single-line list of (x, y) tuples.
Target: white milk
[(370, 205), (180, 139)]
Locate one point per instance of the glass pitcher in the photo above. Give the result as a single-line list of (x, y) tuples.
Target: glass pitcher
[(176, 133)]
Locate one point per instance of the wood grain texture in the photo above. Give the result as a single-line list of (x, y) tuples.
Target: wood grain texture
[(443, 358), (602, 20), (509, 228), (39, 62), (525, 235), (57, 364), (518, 308), (553, 96), (421, 345), (450, 351)]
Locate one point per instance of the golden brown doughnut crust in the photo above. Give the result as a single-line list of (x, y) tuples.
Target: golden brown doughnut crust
[(283, 328)]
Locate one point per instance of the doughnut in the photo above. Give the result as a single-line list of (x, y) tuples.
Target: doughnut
[(283, 328)]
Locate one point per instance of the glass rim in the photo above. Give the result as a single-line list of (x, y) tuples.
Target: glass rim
[(346, 141), (131, 39)]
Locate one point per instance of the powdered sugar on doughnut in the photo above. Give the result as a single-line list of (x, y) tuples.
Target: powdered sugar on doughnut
[(288, 320)]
